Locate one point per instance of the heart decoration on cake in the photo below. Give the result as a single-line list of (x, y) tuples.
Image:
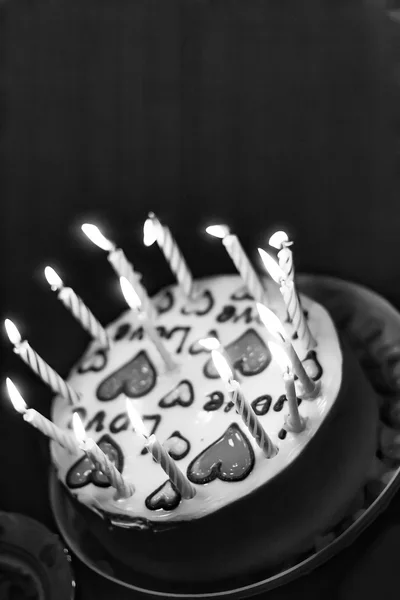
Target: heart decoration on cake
[(215, 402), (165, 497), (241, 294), (135, 379), (261, 405), (230, 458), (93, 362), (197, 348), (248, 354), (165, 303), (181, 395), (177, 446), (84, 471), (312, 366), (201, 306)]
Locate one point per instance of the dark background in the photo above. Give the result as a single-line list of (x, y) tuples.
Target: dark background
[(259, 114)]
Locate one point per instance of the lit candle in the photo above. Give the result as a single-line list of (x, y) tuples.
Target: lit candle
[(274, 326), (291, 300), (120, 264), (32, 416), (101, 460), (160, 455), (294, 422), (242, 263), (39, 366), (153, 231), (242, 406), (281, 242), (77, 307), (133, 301)]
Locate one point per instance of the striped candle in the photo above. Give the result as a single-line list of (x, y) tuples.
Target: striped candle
[(39, 366), (251, 420), (77, 307), (242, 263), (45, 426), (281, 242), (154, 231), (121, 265)]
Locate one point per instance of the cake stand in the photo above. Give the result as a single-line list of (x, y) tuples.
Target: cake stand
[(372, 327)]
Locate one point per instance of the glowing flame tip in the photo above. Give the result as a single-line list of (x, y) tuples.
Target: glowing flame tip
[(53, 279), (136, 420), (17, 400), (150, 230), (210, 343), (222, 366), (271, 266), (94, 234), (219, 231), (279, 354), (12, 332), (278, 239), (130, 295), (79, 429)]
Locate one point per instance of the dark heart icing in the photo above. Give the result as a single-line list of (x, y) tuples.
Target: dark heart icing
[(215, 402), (84, 472), (134, 379), (230, 458), (164, 303), (201, 305), (177, 446), (165, 497), (94, 362), (248, 354), (229, 406), (261, 405), (279, 403), (197, 348), (122, 331), (181, 395), (241, 294), (312, 366)]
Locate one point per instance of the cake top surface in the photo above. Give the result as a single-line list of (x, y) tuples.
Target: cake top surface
[(189, 409)]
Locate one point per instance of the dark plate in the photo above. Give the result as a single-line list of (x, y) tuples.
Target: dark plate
[(372, 326), (33, 561)]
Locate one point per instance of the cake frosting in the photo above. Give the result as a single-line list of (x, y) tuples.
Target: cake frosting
[(189, 409), (296, 494)]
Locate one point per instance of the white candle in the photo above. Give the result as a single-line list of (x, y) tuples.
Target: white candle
[(77, 307), (32, 416), (160, 455), (244, 409), (242, 263), (153, 231), (101, 461), (39, 366), (120, 264), (291, 300), (294, 422), (133, 301), (311, 389), (281, 242)]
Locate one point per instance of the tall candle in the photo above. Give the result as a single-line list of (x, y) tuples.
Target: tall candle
[(153, 231), (281, 242), (244, 409), (77, 307), (34, 418), (120, 264), (133, 301), (160, 455), (294, 423), (242, 263), (291, 300), (39, 366), (274, 326), (101, 461)]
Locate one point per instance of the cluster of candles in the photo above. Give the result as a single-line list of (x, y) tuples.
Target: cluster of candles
[(137, 299)]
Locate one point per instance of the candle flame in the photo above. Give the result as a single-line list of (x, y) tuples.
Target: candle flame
[(222, 366), (12, 332), (131, 297), (53, 279), (272, 266), (271, 321), (17, 400), (278, 239), (219, 231), (210, 343), (79, 429), (150, 230), (279, 354), (136, 420), (94, 234)]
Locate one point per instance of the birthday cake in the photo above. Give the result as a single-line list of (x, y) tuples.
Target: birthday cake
[(249, 512)]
